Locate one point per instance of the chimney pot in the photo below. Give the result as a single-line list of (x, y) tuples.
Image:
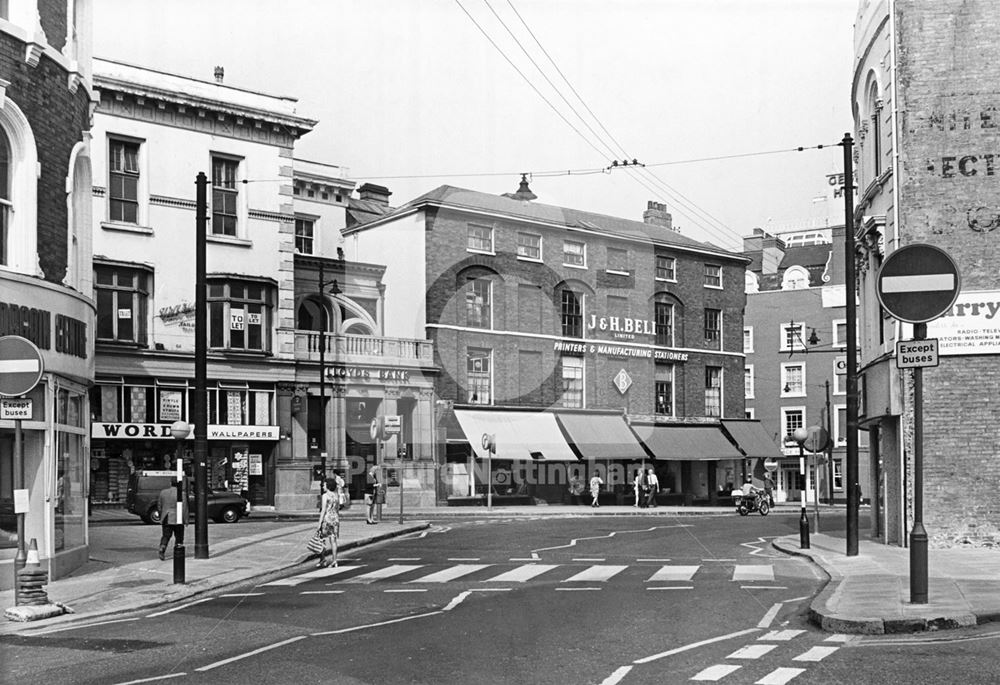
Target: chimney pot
[(220, 73), (656, 214)]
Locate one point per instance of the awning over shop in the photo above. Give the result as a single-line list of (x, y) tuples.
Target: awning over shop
[(752, 439), (520, 436), (601, 437), (687, 443)]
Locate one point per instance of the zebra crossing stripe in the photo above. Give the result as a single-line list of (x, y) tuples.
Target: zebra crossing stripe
[(816, 654), (751, 652), (780, 676), (382, 573), (596, 574), (312, 575), (522, 573), (679, 573), (753, 572), (451, 573), (780, 635), (717, 672)]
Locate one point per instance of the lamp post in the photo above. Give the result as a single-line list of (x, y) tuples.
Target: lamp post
[(200, 371), (800, 435), (324, 322), (180, 431)]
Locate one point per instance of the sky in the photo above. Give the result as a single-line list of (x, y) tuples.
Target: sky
[(712, 96)]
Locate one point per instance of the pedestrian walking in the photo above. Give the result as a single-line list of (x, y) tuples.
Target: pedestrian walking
[(329, 521), (595, 489), (653, 486), (371, 489), (769, 490), (637, 486), (169, 524)]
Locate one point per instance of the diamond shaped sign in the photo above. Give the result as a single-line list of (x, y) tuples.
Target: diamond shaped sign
[(623, 381)]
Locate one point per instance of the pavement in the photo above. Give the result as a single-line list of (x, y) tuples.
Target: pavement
[(868, 593)]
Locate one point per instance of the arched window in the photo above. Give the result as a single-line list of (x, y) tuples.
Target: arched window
[(875, 135), (750, 283), (312, 316), (18, 191), (795, 278)]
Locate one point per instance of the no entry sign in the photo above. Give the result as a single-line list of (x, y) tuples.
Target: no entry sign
[(918, 283), (21, 366)]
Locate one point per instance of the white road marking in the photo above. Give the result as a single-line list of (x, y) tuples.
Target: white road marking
[(717, 672), (780, 635), (597, 574), (572, 543), (463, 558), (403, 559), (452, 573), (769, 616), (575, 589), (763, 587), (183, 606), (243, 594), (311, 575), (598, 559), (718, 560), (746, 572), (154, 679), (533, 557), (838, 637), (751, 652), (251, 653), (408, 589), (376, 625), (780, 676), (694, 645), (672, 587), (322, 592), (85, 625), (617, 676), (653, 561), (522, 573), (382, 573), (816, 654), (677, 573), (458, 599)]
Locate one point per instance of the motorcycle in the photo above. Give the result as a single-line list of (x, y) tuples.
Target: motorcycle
[(755, 501)]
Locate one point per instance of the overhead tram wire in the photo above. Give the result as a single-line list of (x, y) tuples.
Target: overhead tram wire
[(526, 79), (719, 228)]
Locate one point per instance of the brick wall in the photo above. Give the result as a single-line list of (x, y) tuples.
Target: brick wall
[(516, 309), (949, 65), (57, 117)]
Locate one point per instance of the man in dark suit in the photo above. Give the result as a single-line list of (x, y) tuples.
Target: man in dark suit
[(169, 523)]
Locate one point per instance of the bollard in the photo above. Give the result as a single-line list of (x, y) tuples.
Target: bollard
[(804, 530), (178, 563)]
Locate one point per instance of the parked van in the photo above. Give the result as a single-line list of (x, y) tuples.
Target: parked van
[(143, 494)]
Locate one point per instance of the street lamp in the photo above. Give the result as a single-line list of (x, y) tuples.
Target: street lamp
[(800, 435), (324, 322), (180, 431)]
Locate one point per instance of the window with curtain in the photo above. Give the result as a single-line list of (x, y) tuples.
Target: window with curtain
[(713, 391), (572, 382), (123, 181), (478, 303), (664, 389)]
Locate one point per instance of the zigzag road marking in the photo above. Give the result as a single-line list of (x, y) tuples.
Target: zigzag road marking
[(759, 551), (572, 543)]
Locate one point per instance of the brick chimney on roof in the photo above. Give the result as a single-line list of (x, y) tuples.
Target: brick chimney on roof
[(656, 214), (375, 193), (220, 74)]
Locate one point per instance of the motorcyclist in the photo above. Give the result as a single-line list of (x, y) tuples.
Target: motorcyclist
[(748, 488)]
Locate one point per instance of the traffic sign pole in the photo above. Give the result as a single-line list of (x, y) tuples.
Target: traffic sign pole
[(918, 535)]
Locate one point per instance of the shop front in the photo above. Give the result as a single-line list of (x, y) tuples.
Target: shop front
[(130, 431)]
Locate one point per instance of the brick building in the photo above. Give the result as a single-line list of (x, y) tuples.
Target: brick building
[(551, 325), (45, 281), (795, 341), (926, 125)]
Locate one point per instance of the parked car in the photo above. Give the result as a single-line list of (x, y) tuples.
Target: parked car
[(144, 491)]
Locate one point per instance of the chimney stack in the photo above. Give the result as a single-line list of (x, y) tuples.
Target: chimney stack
[(375, 193), (220, 73), (656, 214)]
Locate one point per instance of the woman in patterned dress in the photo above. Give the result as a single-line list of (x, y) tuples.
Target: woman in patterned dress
[(329, 521)]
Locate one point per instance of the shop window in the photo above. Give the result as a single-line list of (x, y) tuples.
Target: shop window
[(225, 195), (713, 391), (479, 369), (239, 315), (123, 181), (122, 294), (572, 382)]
